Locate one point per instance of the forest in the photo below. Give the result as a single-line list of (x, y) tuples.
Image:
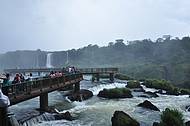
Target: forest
[(166, 58)]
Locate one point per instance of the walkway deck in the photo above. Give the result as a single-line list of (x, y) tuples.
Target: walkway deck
[(30, 89)]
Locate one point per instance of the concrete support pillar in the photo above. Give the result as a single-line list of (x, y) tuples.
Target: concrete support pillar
[(111, 77), (44, 101), (77, 87), (98, 77), (3, 117)]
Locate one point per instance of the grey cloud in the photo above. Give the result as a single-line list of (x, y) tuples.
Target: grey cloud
[(66, 24)]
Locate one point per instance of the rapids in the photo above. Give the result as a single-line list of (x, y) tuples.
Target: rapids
[(98, 111)]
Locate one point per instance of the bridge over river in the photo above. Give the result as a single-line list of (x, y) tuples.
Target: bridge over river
[(41, 87), (84, 71)]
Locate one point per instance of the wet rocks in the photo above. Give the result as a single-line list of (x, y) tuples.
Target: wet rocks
[(83, 94), (120, 118), (156, 124), (147, 104), (115, 93), (187, 123), (152, 94), (188, 108), (139, 89), (65, 115)]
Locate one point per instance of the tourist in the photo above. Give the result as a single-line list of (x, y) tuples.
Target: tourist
[(22, 79), (30, 78), (6, 81), (16, 79), (70, 69)]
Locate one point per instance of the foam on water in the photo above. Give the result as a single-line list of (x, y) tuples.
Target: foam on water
[(98, 111), (98, 88), (149, 89)]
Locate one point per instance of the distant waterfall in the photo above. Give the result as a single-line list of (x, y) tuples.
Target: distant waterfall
[(48, 61)]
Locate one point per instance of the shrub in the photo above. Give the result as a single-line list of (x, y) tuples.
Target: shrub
[(162, 84), (185, 91), (171, 118), (133, 84), (115, 93), (158, 84), (123, 77)]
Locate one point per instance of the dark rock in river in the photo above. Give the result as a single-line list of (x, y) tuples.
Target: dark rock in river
[(139, 89), (120, 118), (65, 115), (155, 124), (187, 123), (160, 91), (115, 93), (147, 104), (81, 95), (188, 108), (152, 94)]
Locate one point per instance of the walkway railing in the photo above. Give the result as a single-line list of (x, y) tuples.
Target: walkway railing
[(98, 70), (20, 91), (82, 70)]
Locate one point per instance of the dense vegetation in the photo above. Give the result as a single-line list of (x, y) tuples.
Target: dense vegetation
[(165, 58), (171, 118), (133, 84), (167, 86), (115, 93)]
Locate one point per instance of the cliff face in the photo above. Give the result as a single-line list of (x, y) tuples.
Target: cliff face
[(167, 59)]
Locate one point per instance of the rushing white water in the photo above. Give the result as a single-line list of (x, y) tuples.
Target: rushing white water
[(98, 111), (48, 61)]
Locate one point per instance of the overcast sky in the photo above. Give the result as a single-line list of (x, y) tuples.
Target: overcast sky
[(66, 24)]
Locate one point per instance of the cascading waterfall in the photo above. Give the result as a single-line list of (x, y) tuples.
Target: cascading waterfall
[(48, 61)]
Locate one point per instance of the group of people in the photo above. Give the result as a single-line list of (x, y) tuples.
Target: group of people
[(56, 74), (19, 78), (67, 70)]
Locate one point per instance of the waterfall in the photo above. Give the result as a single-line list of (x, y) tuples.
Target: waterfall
[(48, 61)]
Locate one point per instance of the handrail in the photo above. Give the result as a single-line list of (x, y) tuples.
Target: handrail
[(38, 85), (83, 70)]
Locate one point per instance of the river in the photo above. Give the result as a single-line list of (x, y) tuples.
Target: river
[(98, 111)]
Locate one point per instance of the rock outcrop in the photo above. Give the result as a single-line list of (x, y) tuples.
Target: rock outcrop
[(147, 104), (115, 93), (120, 118), (81, 95), (187, 123), (65, 115)]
